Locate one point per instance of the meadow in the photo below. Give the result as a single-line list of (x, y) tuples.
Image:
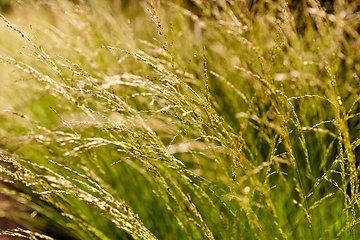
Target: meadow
[(174, 119)]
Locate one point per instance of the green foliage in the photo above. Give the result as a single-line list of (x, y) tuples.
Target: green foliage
[(181, 119)]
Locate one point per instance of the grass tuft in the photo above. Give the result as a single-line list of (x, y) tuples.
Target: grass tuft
[(180, 119)]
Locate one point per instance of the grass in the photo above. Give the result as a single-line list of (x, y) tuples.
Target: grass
[(180, 119)]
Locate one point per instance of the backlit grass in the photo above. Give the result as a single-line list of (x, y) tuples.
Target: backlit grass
[(180, 119)]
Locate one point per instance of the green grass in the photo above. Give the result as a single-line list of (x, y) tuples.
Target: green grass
[(180, 119)]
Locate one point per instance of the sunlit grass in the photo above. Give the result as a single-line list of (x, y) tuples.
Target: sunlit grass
[(179, 120)]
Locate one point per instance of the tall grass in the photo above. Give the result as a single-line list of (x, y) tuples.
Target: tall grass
[(181, 119)]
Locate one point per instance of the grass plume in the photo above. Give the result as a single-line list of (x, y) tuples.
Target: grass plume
[(186, 120)]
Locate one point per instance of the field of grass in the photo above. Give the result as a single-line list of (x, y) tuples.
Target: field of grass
[(166, 119)]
